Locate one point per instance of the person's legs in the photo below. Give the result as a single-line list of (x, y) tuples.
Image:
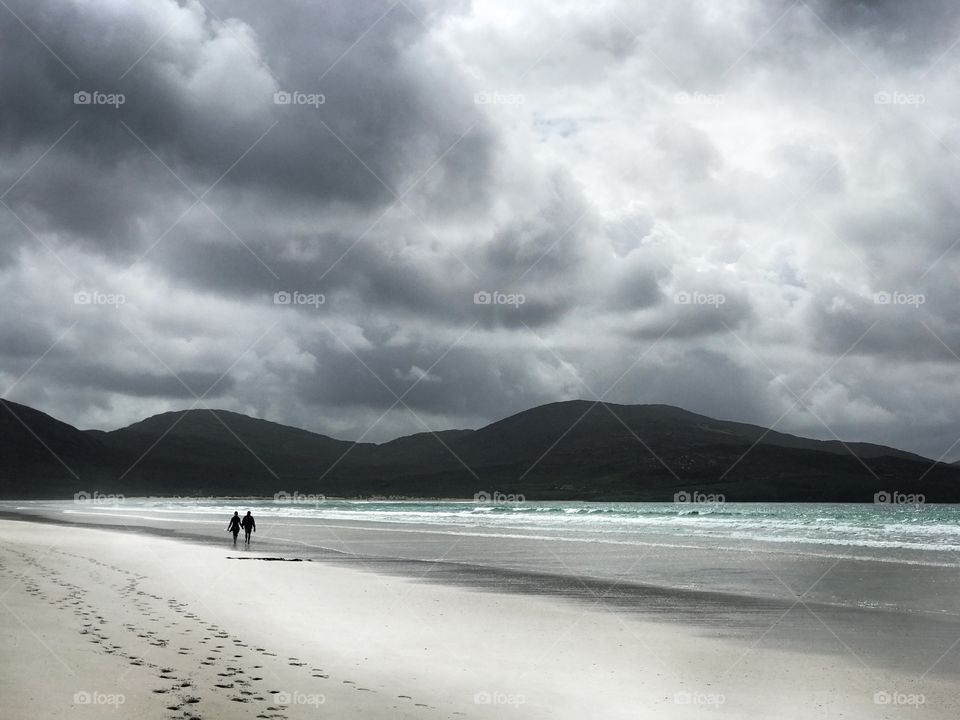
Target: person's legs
[(235, 533), (246, 537)]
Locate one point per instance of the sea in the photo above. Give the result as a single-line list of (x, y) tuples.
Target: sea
[(898, 554)]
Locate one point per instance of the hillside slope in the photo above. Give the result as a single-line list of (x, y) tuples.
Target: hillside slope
[(565, 450)]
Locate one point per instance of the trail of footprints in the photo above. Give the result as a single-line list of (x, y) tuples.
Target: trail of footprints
[(221, 669)]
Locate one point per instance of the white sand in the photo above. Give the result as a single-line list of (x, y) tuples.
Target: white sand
[(105, 616)]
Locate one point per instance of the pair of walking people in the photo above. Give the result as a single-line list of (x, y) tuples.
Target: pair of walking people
[(247, 523)]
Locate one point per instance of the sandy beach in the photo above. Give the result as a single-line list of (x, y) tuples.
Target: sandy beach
[(568, 360), (133, 625)]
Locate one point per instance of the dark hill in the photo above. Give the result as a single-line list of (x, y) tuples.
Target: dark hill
[(565, 450), (41, 456)]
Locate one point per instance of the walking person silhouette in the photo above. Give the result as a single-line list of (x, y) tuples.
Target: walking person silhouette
[(249, 525), (234, 526)]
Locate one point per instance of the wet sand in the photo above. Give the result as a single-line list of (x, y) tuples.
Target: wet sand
[(98, 623)]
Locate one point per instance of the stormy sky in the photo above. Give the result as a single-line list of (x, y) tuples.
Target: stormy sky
[(373, 218)]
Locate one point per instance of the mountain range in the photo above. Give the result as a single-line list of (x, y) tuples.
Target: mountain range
[(574, 450)]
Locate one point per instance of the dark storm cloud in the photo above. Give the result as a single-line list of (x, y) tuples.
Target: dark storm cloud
[(462, 380), (637, 285), (708, 382), (890, 324), (385, 264), (202, 99), (907, 31), (22, 345), (619, 211), (703, 315), (185, 385), (352, 276), (545, 243), (906, 233), (22, 341), (102, 211)]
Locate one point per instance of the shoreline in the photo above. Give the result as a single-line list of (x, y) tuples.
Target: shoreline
[(656, 599), (422, 647), (514, 580)]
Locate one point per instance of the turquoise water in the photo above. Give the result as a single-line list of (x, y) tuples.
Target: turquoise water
[(913, 527), (889, 556)]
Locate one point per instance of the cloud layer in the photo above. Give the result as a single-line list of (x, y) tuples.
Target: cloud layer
[(370, 219)]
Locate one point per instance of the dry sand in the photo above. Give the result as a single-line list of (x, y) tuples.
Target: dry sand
[(99, 624)]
